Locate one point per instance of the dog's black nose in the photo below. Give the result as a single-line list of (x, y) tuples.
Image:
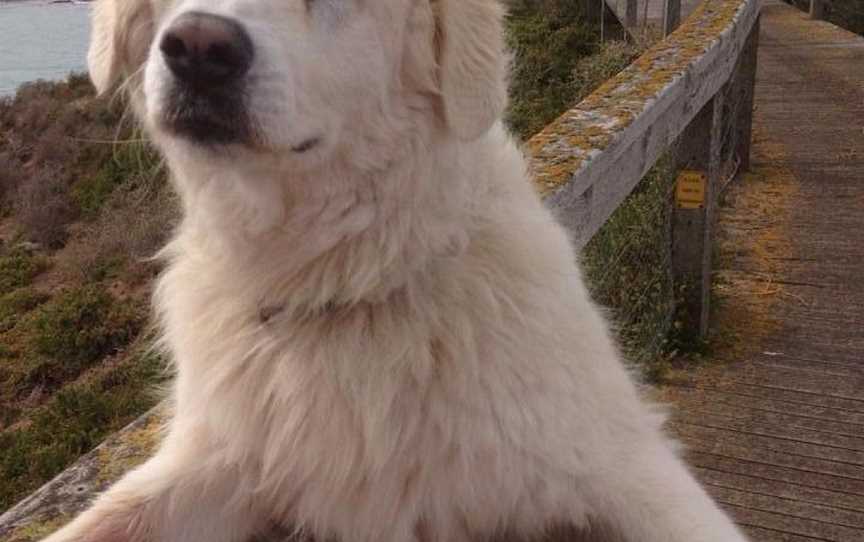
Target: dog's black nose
[(204, 49)]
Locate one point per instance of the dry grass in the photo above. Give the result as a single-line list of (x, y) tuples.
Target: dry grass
[(43, 208), (7, 178), (134, 224)]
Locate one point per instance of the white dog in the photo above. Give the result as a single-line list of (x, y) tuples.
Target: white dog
[(380, 333)]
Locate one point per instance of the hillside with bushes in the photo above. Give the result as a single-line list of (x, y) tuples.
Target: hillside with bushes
[(84, 204)]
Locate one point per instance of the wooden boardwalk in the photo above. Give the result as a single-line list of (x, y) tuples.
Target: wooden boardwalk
[(777, 433)]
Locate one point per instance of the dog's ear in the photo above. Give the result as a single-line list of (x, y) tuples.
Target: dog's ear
[(122, 32), (473, 64)]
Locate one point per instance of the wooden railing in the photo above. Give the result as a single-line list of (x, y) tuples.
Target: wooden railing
[(682, 89), (817, 9), (671, 16), (686, 95)]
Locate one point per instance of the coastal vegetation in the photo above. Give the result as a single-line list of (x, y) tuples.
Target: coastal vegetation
[(84, 202)]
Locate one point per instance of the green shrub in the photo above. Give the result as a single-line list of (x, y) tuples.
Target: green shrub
[(44, 209), (80, 326), (558, 61), (128, 162), (64, 336), (18, 268), (16, 304), (627, 266), (547, 43), (73, 422)]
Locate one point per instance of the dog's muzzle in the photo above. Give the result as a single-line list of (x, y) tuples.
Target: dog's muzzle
[(209, 57)]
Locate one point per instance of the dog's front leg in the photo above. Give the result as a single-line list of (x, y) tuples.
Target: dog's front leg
[(177, 496), (654, 498)]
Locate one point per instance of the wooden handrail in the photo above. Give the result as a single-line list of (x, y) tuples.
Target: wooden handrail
[(589, 160)]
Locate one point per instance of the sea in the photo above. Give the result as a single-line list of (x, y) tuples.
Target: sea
[(41, 40)]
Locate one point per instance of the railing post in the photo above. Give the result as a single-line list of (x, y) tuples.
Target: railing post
[(699, 154), (671, 16), (745, 81), (631, 15), (817, 9), (602, 21)]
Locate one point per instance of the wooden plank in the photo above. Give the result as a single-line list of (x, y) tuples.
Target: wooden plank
[(809, 365), (793, 525), (761, 534), (850, 488), (793, 490), (840, 365), (740, 449), (758, 402), (717, 404), (788, 507), (713, 431), (741, 384), (760, 426), (841, 388)]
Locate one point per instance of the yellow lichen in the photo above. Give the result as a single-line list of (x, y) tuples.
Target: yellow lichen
[(595, 123), (130, 450)]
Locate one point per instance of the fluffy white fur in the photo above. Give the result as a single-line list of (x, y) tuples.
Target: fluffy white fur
[(386, 338)]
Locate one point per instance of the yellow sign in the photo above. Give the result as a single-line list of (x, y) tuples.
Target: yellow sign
[(690, 190)]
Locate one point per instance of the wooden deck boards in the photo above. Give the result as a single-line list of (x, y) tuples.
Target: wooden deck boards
[(777, 432)]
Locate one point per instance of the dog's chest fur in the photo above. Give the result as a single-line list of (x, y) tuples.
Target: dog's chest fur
[(352, 415)]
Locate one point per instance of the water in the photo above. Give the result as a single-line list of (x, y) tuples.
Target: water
[(41, 41)]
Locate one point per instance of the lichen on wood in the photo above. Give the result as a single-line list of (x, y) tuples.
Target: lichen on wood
[(571, 142)]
